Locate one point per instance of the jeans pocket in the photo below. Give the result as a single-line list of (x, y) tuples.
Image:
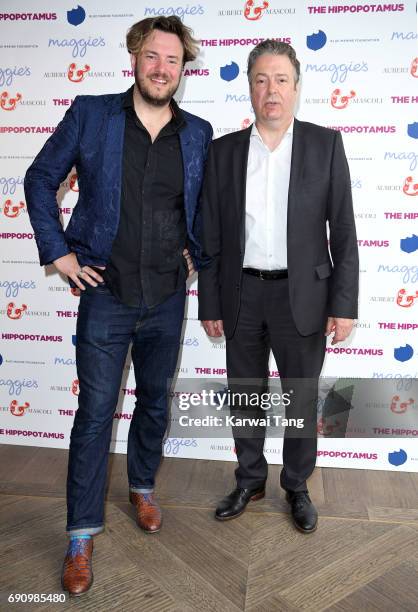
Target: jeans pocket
[(101, 288)]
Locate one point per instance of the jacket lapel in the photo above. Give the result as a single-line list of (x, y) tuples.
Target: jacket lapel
[(296, 169), (239, 168), (191, 164), (112, 155)]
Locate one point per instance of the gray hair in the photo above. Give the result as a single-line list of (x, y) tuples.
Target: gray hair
[(274, 47)]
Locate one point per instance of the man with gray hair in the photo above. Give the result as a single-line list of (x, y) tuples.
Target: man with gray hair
[(273, 282)]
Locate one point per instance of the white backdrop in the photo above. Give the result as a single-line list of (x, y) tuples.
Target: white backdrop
[(359, 75)]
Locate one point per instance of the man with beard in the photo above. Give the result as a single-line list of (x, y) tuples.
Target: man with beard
[(129, 247)]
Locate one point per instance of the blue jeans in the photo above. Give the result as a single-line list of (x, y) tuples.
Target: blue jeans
[(105, 329)]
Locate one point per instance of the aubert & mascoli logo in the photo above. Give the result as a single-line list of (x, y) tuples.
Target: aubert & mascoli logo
[(409, 187), (398, 407), (254, 13), (327, 428), (75, 387), (21, 409), (255, 9), (8, 103), (18, 410), (76, 75), (15, 312), (64, 289), (74, 183), (71, 182), (406, 300), (340, 101), (13, 210)]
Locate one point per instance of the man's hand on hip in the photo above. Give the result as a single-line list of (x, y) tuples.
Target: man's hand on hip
[(215, 329), (340, 327), (69, 266)]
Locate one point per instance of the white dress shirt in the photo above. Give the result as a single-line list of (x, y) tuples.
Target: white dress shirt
[(268, 174)]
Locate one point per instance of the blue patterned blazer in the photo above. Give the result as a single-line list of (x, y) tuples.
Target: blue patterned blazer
[(90, 137)]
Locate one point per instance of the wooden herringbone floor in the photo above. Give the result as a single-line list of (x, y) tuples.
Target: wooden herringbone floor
[(364, 555)]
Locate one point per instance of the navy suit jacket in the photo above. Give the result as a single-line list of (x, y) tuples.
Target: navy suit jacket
[(90, 137)]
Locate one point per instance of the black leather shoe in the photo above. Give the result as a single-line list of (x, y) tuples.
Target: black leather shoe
[(304, 514), (234, 504)]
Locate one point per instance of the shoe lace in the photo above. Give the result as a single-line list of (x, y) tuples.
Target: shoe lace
[(299, 500)]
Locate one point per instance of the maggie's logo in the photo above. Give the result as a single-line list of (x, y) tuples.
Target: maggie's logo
[(339, 101), (7, 103), (15, 312), (12, 210), (76, 75), (75, 387), (253, 13), (245, 123), (414, 68), (405, 301), (409, 187), (74, 183), (17, 410)]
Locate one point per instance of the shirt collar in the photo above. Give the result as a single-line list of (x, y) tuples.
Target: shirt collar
[(177, 118), (256, 133)]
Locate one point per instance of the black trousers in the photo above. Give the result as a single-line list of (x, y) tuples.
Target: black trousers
[(265, 322)]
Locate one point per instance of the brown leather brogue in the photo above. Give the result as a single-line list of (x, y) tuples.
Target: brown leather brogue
[(148, 512), (77, 572)]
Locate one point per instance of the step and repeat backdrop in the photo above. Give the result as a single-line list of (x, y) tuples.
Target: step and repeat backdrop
[(359, 75)]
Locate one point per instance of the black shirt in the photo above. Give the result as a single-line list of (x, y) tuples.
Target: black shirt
[(146, 259)]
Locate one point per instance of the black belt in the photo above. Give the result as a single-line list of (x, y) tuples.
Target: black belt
[(266, 274)]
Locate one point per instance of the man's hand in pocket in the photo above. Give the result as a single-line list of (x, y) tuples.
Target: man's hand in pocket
[(68, 265)]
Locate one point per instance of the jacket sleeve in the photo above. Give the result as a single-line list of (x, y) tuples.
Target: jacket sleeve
[(209, 289), (195, 247), (343, 290), (42, 180)]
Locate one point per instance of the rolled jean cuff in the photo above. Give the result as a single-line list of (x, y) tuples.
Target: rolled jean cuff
[(142, 490), (85, 531)]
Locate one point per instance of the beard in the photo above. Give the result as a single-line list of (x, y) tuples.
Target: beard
[(149, 96)]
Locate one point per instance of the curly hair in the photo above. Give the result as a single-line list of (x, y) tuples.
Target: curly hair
[(140, 31)]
